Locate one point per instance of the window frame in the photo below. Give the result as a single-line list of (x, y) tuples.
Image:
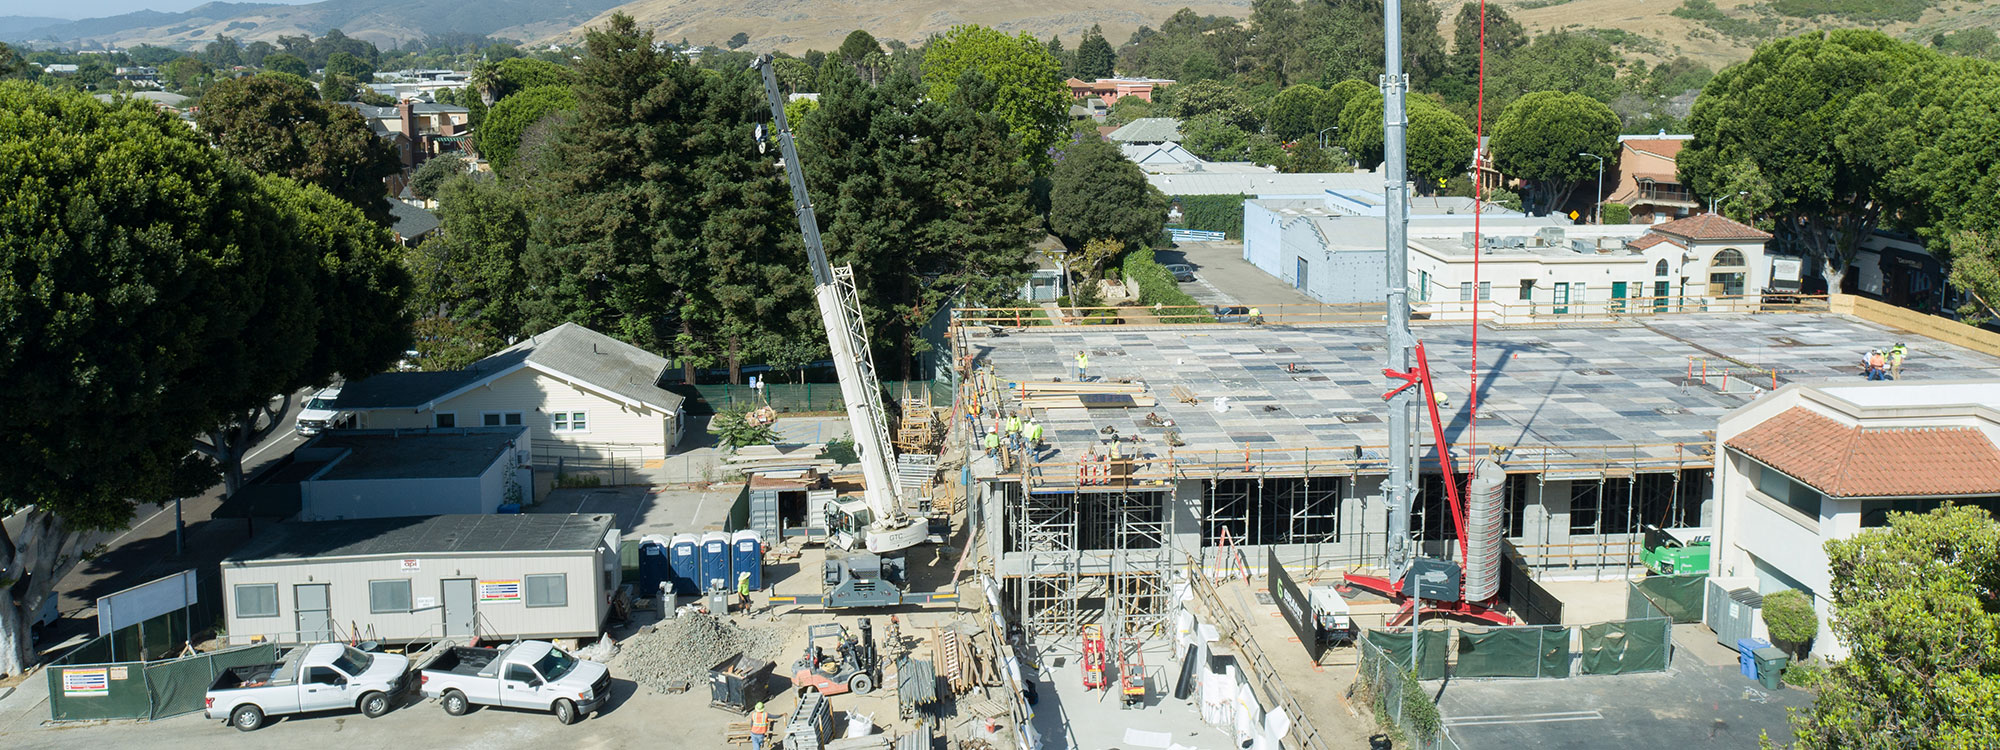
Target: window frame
[(500, 418), (409, 597), (1527, 290), (1486, 291), (438, 418), (528, 590), (1465, 291), (236, 593)]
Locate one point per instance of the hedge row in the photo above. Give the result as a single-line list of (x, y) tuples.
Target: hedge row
[(1213, 213), (1157, 287)]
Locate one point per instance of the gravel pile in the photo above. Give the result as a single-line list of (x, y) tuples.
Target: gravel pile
[(678, 653)]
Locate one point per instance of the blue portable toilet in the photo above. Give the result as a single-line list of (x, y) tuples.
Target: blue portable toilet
[(715, 561), (684, 564), (654, 568), (747, 549)]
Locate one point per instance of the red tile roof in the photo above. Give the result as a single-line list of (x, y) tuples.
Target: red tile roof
[(1645, 241), (1845, 461), (1668, 148), (1701, 227)]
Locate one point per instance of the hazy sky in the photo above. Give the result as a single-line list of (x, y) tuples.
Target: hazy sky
[(97, 8)]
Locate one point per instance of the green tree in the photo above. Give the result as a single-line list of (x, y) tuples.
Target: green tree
[(523, 73), (1309, 158), (1127, 109), (1790, 110), (11, 63), (1615, 213), (733, 429), (1541, 137), (470, 285), (738, 40), (1300, 111), (284, 63), (157, 285), (1439, 143), (1213, 138), (276, 124), (1097, 193), (858, 47), (500, 135), (424, 183), (334, 89), (1913, 603), (1188, 101), (187, 75), (346, 64), (1029, 93), (1094, 56), (1975, 269)]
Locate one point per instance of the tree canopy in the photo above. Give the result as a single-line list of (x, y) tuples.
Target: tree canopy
[(1097, 193), (1541, 137), (500, 135), (1028, 91), (276, 124), (1094, 56)]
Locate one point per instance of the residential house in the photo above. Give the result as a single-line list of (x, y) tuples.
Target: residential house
[(411, 223), (165, 101), (1644, 179), (420, 130), (1113, 89), (580, 393), (1808, 464), (1147, 131)]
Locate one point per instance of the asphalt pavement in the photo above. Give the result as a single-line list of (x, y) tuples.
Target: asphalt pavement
[(1223, 277), (144, 550)]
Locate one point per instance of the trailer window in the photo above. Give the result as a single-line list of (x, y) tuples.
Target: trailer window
[(547, 590), (257, 600), (389, 597)]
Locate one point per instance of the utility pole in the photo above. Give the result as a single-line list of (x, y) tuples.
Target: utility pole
[(180, 530), (1713, 202), (1597, 203), (1399, 487)]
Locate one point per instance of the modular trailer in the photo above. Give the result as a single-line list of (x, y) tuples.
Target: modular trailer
[(414, 579)]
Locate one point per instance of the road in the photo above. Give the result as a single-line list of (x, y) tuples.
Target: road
[(145, 550)]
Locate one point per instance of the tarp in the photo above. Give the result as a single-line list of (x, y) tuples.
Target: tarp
[(1625, 646), (1436, 645), (1514, 652), (1678, 597), (179, 686), (98, 691)]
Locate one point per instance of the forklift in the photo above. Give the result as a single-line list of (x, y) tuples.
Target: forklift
[(855, 666)]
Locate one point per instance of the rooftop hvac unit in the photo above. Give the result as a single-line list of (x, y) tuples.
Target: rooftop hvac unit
[(1550, 236), (1583, 246)]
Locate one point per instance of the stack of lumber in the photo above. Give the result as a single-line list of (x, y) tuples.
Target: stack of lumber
[(1039, 395), (958, 661), (770, 459)]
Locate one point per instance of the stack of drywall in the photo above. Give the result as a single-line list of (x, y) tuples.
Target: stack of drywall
[(766, 459), (1083, 395)]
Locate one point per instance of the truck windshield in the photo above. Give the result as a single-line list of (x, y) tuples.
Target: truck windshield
[(321, 404), (353, 661), (555, 664)]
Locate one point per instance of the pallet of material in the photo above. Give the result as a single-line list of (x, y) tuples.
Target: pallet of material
[(1090, 401), (1031, 387)]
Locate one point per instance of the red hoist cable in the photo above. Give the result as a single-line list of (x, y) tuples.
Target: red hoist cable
[(1478, 187)]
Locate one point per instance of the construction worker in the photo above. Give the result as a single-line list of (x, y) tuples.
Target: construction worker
[(1878, 366), (1013, 425), (1035, 433), (760, 727), (992, 439), (1256, 317), (1082, 365), (743, 590), (1896, 354)]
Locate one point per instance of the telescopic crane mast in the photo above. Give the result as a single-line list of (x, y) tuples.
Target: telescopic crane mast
[(840, 311)]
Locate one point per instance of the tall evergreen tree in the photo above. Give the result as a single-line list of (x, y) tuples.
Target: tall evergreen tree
[(1094, 55)]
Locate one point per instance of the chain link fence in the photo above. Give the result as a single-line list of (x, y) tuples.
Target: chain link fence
[(1385, 683), (80, 690)]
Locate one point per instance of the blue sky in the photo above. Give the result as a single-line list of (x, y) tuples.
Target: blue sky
[(97, 8)]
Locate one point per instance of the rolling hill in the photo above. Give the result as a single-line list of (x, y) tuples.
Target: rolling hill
[(384, 22)]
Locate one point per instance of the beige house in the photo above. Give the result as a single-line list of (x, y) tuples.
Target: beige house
[(580, 393)]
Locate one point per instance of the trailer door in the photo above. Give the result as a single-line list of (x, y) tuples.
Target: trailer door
[(459, 608), (310, 600)]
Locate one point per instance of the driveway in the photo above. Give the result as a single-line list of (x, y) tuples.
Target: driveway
[(1223, 277)]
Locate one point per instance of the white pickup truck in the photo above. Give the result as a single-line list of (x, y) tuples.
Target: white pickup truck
[(323, 677), (533, 674)]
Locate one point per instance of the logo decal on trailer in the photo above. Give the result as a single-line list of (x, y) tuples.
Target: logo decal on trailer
[(500, 591)]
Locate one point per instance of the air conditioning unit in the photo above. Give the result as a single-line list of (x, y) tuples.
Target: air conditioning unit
[(1550, 236)]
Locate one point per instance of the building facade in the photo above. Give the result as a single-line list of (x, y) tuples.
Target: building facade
[(389, 473), (1647, 181), (1113, 89), (1808, 464)]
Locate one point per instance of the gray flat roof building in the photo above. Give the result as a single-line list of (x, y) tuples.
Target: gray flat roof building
[(416, 454), (404, 537)]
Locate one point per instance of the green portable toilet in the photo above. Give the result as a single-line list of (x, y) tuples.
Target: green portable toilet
[(1771, 662)]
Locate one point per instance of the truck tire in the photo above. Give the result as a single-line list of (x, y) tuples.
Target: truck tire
[(246, 718), (455, 703), (374, 704), (861, 684), (565, 711)]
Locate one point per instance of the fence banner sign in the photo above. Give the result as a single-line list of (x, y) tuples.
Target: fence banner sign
[(500, 591), (1293, 605), (89, 681)]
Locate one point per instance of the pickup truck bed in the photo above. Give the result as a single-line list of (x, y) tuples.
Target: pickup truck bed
[(465, 660)]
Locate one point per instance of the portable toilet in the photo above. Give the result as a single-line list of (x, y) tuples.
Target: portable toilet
[(715, 561), (684, 560), (654, 568), (747, 552)]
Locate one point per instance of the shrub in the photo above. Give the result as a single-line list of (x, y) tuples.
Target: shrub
[(1790, 617), (733, 430), (1157, 287), (1213, 213), (1615, 213)]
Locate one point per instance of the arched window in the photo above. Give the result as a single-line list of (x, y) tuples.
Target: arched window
[(1728, 258), (1660, 268)]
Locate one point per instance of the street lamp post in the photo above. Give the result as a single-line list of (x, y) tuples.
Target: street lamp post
[(1322, 134), (1714, 202), (1597, 202)]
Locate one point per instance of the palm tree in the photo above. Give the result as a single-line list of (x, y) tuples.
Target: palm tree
[(486, 78)]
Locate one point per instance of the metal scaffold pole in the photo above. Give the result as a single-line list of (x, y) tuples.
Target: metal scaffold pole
[(1400, 484)]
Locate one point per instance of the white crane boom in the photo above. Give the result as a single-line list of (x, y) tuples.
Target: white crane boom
[(840, 311)]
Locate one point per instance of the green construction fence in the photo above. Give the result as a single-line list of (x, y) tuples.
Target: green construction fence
[(80, 690), (1626, 646), (1676, 597), (1536, 651), (798, 397), (1436, 650)]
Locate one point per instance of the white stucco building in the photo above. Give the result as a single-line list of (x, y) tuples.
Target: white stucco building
[(1807, 464)]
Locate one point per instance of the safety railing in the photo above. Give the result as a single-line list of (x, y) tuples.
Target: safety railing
[(1261, 672), (1495, 312)]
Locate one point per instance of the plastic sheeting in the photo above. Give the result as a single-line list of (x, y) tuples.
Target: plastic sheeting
[(1436, 649), (1626, 646), (1678, 597), (1514, 652)]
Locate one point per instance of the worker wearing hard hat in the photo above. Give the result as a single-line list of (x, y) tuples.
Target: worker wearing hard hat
[(743, 590), (760, 727), (992, 439)]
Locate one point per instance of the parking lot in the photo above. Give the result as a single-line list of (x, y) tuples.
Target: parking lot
[(1222, 277)]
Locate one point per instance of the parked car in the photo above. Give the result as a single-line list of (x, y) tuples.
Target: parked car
[(320, 414), (534, 675), (1181, 271), (322, 677), (1232, 314)]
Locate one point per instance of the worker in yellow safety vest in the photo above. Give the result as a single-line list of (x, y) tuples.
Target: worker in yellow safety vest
[(1256, 317), (1013, 425), (760, 727), (1034, 432), (1082, 364), (992, 439), (743, 590)]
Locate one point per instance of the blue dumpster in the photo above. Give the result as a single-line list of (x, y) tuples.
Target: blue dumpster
[(747, 549), (1746, 655), (715, 561), (684, 560)]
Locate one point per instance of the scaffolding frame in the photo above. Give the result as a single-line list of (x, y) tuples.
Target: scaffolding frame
[(1141, 566), (1051, 584)]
